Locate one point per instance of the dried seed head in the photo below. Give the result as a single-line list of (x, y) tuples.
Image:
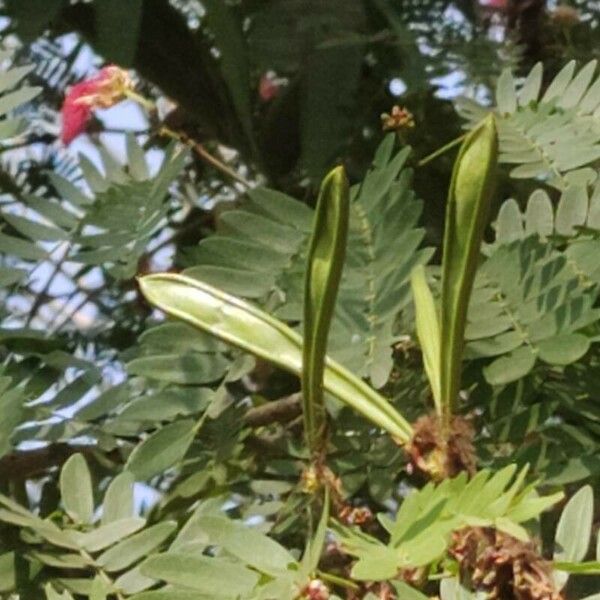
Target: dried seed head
[(381, 591), (503, 566), (438, 455)]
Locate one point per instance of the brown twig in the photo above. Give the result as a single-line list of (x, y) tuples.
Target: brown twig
[(277, 411), (27, 464), (203, 153)]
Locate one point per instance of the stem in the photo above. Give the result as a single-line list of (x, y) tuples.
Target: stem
[(201, 151), (40, 299), (56, 323), (442, 150), (121, 130), (198, 148), (337, 580), (147, 104)]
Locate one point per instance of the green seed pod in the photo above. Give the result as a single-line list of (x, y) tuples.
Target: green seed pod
[(324, 267), (469, 199), (245, 326)]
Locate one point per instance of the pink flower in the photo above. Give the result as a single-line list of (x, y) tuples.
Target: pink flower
[(268, 86), (103, 90)]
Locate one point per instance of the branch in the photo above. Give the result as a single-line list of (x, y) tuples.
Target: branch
[(278, 411), (28, 464)]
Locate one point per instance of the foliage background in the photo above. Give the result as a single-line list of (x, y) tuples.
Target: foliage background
[(89, 367)]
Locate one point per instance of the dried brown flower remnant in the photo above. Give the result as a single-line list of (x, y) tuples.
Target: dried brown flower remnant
[(565, 16), (415, 576), (440, 455), (355, 515), (399, 119), (503, 566), (381, 591)]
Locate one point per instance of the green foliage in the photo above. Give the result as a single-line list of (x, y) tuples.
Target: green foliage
[(130, 556), (79, 542), (533, 299), (126, 212), (575, 527), (40, 389), (384, 244), (259, 253), (420, 533), (110, 15), (10, 100), (143, 458), (227, 30), (161, 450), (76, 489), (576, 213), (551, 134)]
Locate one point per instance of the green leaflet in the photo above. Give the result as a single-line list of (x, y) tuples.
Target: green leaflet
[(160, 451), (245, 326), (118, 498), (466, 213), (248, 545), (76, 489), (216, 577), (52, 594), (573, 532), (428, 330), (325, 262)]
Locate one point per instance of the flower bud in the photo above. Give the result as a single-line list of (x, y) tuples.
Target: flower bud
[(400, 118), (315, 590)]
